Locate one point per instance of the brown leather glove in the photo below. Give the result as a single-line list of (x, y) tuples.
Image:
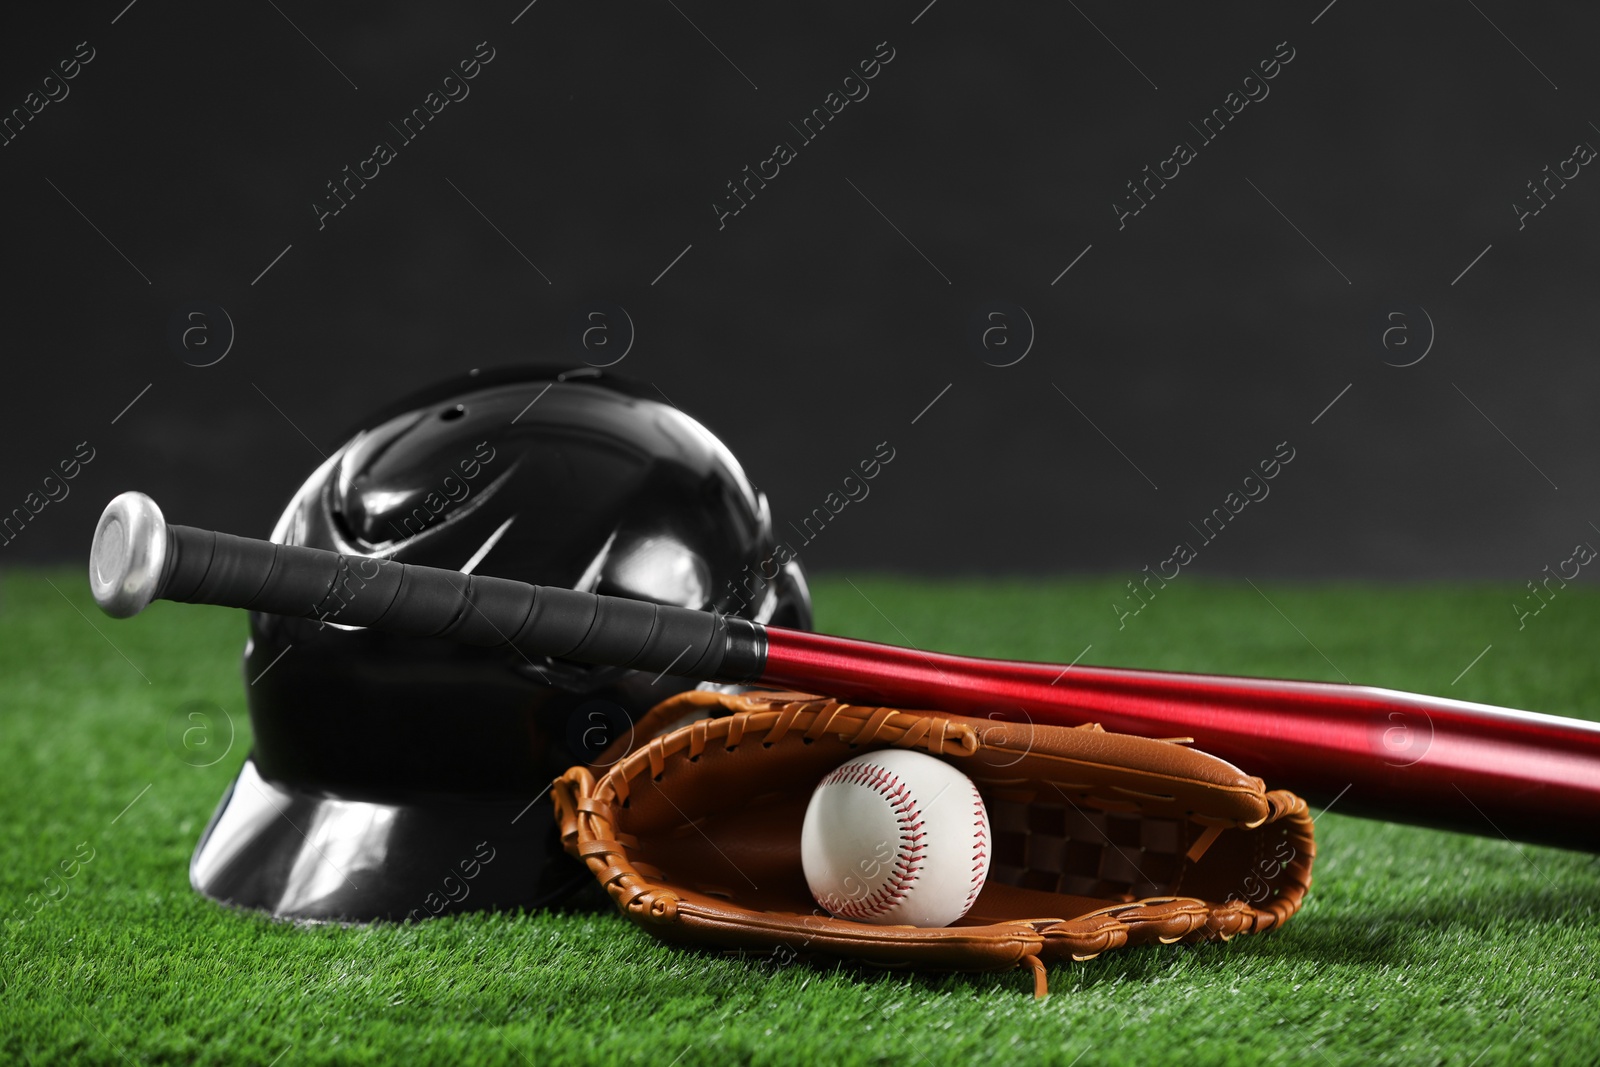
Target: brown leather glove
[(1100, 840)]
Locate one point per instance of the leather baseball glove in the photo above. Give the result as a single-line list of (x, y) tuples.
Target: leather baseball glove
[(1100, 840)]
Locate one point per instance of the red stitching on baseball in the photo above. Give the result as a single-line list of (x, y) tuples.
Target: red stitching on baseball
[(903, 874), (980, 850)]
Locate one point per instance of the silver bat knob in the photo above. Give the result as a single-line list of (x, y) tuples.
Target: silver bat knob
[(128, 554)]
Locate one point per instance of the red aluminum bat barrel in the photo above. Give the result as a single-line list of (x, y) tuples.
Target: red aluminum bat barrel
[(1375, 752)]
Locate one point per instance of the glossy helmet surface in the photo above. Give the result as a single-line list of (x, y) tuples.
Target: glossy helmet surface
[(398, 777)]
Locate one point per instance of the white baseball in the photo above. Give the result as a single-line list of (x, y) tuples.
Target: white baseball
[(896, 837)]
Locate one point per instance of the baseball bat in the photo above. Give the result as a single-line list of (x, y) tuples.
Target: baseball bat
[(1376, 752)]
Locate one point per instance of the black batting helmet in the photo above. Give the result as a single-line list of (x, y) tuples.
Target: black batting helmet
[(396, 777)]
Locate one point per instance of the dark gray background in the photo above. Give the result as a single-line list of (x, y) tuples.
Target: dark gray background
[(1175, 354)]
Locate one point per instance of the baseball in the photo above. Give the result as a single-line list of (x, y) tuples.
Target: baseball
[(896, 837)]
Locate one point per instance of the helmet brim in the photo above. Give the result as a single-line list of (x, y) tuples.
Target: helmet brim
[(299, 855)]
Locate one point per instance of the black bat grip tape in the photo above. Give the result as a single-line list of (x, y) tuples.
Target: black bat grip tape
[(205, 567)]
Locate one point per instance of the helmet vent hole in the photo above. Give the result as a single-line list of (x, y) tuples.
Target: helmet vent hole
[(452, 413)]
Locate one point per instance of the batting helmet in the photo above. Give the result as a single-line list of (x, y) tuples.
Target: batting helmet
[(401, 777)]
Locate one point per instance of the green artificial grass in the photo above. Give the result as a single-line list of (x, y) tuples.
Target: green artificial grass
[(1414, 947)]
